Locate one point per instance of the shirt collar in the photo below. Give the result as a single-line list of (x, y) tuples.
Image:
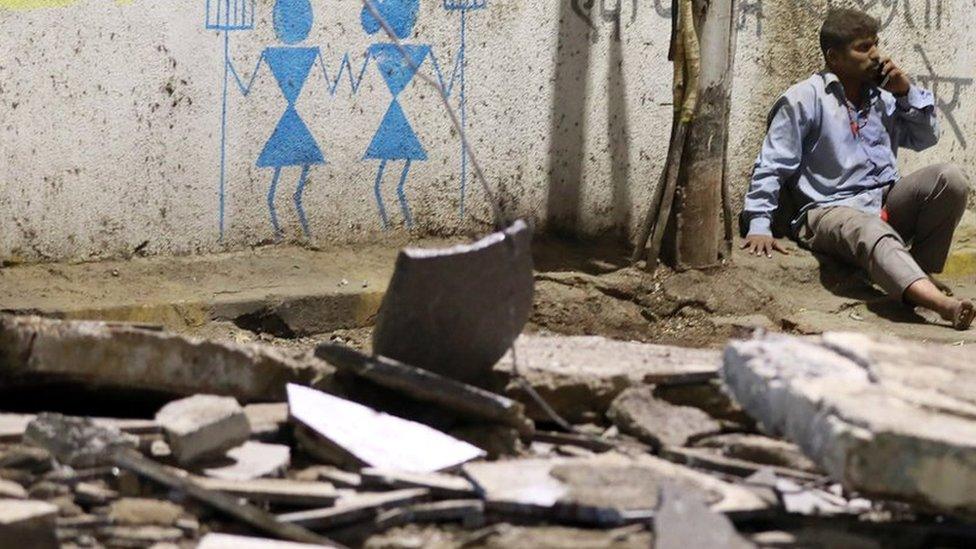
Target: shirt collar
[(831, 81)]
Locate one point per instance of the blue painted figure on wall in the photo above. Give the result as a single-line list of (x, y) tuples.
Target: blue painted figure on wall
[(291, 143), (395, 138)]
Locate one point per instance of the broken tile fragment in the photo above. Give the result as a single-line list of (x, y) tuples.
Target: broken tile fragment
[(354, 508), (252, 460), (327, 473), (638, 413), (203, 426), (267, 420), (77, 442), (580, 376), (882, 416), (684, 521), (27, 523), (377, 439), (272, 490), (228, 541), (94, 493), (439, 484)]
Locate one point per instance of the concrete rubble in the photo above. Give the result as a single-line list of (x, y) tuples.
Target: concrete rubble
[(654, 450), (884, 417), (203, 426)]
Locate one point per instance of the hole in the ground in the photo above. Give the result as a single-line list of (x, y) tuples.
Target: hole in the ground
[(81, 400), (265, 322)]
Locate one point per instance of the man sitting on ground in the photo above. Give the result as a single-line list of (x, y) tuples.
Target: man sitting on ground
[(832, 143)]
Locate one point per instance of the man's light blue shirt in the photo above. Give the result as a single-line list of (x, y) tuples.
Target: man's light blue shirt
[(811, 148)]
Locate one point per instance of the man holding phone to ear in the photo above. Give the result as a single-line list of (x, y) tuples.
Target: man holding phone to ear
[(832, 144)]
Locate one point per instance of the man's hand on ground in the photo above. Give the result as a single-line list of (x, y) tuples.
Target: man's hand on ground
[(760, 244)]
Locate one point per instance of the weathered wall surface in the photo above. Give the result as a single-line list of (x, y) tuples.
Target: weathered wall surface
[(112, 125)]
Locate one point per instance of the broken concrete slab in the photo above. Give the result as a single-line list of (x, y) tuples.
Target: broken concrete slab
[(274, 490), (439, 484), (377, 439), (27, 523), (760, 449), (472, 300), (580, 376), (29, 458), (469, 512), (882, 416), (203, 426), (327, 473), (638, 413), (427, 386), (606, 490), (684, 521), (77, 442), (252, 460), (354, 508), (267, 420), (109, 355), (228, 541), (710, 459)]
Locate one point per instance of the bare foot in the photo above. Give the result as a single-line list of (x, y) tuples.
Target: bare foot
[(942, 286), (961, 315)]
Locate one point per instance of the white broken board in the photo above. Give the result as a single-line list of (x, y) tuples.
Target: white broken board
[(227, 541), (377, 439)]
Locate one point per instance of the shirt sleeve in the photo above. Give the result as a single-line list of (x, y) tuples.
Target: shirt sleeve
[(915, 119), (778, 160)]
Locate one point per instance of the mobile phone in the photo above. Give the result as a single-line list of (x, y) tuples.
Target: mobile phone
[(880, 77)]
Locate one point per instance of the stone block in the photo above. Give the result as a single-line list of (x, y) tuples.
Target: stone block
[(203, 426), (75, 441), (658, 423), (27, 523)]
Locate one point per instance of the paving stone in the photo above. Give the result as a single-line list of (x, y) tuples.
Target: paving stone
[(472, 299), (760, 449), (11, 490), (77, 442), (113, 355), (377, 439), (203, 426), (638, 413), (27, 523), (684, 521), (144, 511), (883, 417), (227, 541), (580, 376), (252, 460), (606, 490)]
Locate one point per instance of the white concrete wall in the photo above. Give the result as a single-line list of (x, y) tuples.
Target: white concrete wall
[(110, 117)]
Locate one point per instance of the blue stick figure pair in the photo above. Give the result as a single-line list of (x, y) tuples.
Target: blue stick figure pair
[(293, 145)]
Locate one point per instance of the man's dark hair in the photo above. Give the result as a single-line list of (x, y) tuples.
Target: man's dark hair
[(843, 26)]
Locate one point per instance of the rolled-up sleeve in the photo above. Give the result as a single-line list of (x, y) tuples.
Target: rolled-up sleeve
[(778, 160), (915, 119)]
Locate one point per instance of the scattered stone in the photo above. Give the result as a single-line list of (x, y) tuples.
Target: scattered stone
[(472, 299), (11, 490), (497, 441), (684, 521), (19, 476), (354, 508), (189, 525), (48, 490), (377, 439), (507, 536), (439, 484), (253, 460), (465, 400), (29, 458), (77, 442), (882, 416), (638, 413), (710, 459), (114, 355), (579, 376), (606, 490), (227, 541), (140, 536), (203, 426), (760, 449), (144, 511), (272, 490), (67, 506), (27, 523), (327, 473), (267, 420), (91, 493)]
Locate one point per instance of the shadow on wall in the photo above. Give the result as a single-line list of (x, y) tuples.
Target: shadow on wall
[(619, 138), (568, 123)]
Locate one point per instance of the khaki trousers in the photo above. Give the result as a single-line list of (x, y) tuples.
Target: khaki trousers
[(924, 209)]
